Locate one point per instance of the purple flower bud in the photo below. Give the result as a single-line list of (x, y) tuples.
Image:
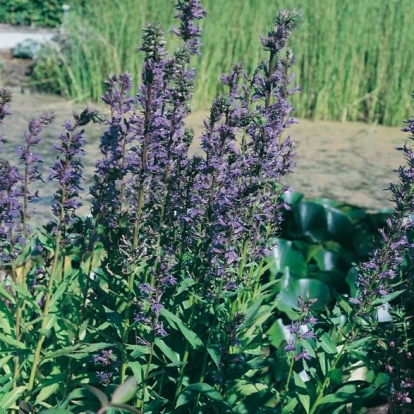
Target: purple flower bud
[(303, 355)]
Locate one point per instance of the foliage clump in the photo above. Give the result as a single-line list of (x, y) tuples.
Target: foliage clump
[(32, 12)]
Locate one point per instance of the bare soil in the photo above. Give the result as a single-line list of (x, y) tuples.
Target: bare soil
[(350, 162)]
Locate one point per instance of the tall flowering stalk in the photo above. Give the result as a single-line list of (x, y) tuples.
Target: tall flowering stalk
[(109, 189), (15, 186), (67, 171), (233, 205), (387, 279), (139, 182), (387, 275), (16, 196), (5, 99)]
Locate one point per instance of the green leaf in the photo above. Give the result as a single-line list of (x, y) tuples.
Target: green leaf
[(5, 360), (339, 226), (103, 399), (166, 350), (387, 298), (53, 306), (322, 362), (292, 197), (46, 392), (308, 347), (298, 381), (125, 392), (50, 321), (290, 406), (327, 344), (214, 352), (56, 411), (23, 292), (6, 319), (285, 257), (305, 400), (11, 341), (278, 333), (307, 219), (191, 336), (343, 395), (67, 351), (137, 369), (7, 400), (251, 314), (184, 285), (45, 241), (190, 393), (333, 262), (127, 408), (359, 342), (6, 295), (293, 288)]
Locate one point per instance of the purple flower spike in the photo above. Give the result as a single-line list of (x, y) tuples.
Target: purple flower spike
[(68, 169), (188, 11), (5, 99), (15, 187)]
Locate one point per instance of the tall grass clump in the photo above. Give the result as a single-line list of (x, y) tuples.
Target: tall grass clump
[(352, 56), (160, 300)]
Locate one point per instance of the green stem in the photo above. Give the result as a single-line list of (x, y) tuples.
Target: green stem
[(148, 368), (81, 319), (327, 380), (42, 333), (186, 353), (203, 372)]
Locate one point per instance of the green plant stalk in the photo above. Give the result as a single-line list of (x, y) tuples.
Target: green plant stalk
[(53, 273), (81, 319), (148, 368), (326, 382), (140, 200), (135, 237), (292, 363), (206, 354), (203, 373), (186, 353), (22, 282), (42, 334)]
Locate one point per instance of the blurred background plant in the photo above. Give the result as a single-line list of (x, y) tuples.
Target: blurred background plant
[(32, 12), (353, 58)]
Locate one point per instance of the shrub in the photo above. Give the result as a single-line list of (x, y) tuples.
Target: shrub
[(159, 297), (32, 12)]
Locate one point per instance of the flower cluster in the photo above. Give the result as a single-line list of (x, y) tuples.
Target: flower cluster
[(15, 187), (68, 169), (301, 330), (379, 275), (390, 268), (5, 99), (235, 206)]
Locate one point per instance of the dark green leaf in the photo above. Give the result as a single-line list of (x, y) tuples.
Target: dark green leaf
[(285, 257), (327, 344), (190, 393), (103, 399), (293, 288), (125, 392), (191, 336), (387, 298)]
